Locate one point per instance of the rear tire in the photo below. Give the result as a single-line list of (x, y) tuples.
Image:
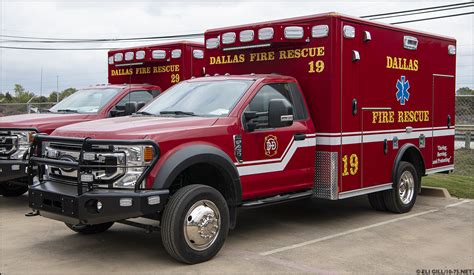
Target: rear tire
[(195, 224), (10, 189), (377, 202), (402, 197), (87, 229)]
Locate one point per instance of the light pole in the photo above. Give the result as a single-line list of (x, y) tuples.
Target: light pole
[(57, 88)]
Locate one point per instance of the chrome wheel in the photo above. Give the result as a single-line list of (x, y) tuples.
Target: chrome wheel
[(406, 187), (201, 225)]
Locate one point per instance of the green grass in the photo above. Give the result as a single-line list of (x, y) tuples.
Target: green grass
[(460, 183)]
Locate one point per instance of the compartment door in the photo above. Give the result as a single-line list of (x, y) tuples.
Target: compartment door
[(351, 121), (443, 120)]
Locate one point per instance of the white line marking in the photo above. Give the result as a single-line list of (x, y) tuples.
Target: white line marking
[(456, 204), (348, 232)]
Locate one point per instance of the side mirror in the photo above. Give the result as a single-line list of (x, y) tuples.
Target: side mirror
[(249, 115), (140, 105), (280, 113), (130, 108)]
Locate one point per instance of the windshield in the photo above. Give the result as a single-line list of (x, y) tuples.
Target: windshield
[(202, 98), (85, 101)]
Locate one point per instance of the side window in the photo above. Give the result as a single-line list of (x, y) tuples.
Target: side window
[(135, 96), (140, 97), (286, 91), (299, 108)]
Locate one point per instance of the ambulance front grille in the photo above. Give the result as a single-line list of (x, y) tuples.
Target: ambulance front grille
[(326, 175)]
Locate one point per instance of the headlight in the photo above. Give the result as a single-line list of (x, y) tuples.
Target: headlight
[(24, 141), (137, 158)]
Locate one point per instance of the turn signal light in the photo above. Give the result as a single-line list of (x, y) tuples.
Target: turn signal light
[(148, 153), (31, 136)]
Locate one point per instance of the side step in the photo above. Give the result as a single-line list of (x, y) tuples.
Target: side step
[(148, 227), (278, 199)]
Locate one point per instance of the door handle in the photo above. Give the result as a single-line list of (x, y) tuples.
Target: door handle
[(300, 136)]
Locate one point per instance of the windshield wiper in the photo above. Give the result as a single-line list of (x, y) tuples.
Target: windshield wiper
[(67, 110), (177, 113), (144, 113)]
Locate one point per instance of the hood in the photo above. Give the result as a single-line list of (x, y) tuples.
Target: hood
[(46, 122), (133, 127)]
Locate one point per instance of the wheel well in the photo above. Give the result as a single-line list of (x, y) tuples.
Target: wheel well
[(413, 156), (206, 174)]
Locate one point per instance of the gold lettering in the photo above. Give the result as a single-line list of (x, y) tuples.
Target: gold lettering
[(398, 63), (212, 60), (389, 62), (320, 51)]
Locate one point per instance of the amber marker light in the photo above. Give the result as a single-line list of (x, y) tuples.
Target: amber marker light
[(31, 136), (148, 153)]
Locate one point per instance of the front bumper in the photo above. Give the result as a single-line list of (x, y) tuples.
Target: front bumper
[(13, 169), (60, 202)]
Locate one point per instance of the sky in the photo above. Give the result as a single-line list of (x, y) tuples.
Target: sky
[(120, 19)]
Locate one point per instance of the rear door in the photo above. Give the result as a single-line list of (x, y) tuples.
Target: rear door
[(443, 120)]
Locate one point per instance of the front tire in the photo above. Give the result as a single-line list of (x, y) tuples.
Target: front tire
[(402, 197), (195, 224), (11, 189), (87, 229)]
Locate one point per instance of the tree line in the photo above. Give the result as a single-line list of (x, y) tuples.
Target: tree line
[(20, 95)]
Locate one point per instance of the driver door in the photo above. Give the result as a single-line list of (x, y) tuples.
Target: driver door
[(276, 160)]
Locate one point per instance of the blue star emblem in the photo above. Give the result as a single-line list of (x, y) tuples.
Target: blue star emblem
[(402, 90)]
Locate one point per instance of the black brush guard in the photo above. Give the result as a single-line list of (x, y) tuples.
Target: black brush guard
[(7, 173), (75, 203)]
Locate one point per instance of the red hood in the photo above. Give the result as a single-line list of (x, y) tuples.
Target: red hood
[(134, 127), (45, 123)]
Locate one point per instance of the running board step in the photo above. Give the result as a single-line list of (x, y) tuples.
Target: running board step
[(278, 198), (148, 227)]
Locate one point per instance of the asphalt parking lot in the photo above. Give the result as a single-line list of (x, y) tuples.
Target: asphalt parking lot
[(306, 237)]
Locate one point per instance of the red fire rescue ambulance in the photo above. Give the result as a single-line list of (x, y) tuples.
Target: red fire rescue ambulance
[(324, 106), (136, 75)]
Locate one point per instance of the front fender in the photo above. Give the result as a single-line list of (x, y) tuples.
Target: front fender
[(194, 154)]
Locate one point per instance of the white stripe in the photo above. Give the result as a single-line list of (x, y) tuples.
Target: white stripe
[(441, 133), (274, 159), (337, 140), (277, 166), (328, 140), (268, 160), (382, 131)]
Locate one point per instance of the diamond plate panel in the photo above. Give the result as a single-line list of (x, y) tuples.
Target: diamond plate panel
[(325, 181)]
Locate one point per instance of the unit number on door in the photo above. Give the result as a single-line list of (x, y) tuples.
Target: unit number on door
[(350, 165)]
